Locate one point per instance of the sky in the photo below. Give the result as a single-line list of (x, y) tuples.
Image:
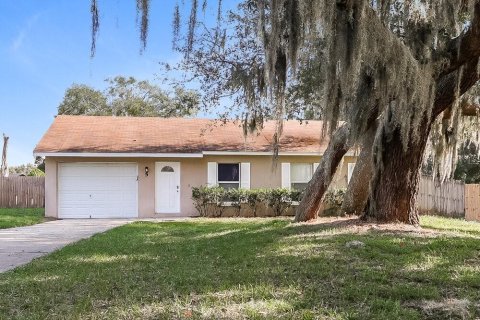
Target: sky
[(45, 48)]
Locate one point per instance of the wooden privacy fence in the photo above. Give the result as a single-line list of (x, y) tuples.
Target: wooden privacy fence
[(472, 202), (22, 192), (447, 199)]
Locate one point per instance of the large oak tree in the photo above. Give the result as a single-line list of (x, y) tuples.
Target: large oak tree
[(395, 72)]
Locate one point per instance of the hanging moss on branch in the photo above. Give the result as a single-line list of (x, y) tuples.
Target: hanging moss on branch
[(95, 26), (143, 9)]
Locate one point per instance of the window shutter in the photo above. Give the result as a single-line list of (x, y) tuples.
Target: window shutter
[(212, 174), (315, 166), (245, 175), (351, 166), (286, 175)]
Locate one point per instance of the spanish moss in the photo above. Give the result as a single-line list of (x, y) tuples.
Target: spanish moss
[(380, 57), (143, 9), (192, 24), (95, 26), (176, 25)]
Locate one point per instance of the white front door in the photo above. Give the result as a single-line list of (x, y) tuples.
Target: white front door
[(167, 187)]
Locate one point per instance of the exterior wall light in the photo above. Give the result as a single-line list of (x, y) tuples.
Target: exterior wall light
[(146, 171)]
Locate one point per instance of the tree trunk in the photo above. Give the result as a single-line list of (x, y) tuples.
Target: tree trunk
[(355, 199), (394, 183), (4, 166), (393, 186), (310, 204)]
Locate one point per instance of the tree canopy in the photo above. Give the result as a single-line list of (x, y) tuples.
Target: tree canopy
[(81, 99), (29, 169), (129, 97), (227, 61), (335, 60)]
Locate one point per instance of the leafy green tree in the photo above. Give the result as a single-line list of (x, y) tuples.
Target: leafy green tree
[(129, 97), (36, 172), (22, 169), (81, 99), (468, 165), (29, 169), (40, 163)]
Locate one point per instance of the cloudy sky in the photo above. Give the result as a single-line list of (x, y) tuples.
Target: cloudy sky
[(45, 47)]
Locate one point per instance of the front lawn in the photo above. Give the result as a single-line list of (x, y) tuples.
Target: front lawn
[(255, 269), (18, 217)]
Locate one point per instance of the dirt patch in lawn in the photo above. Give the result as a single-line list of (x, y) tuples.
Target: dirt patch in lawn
[(445, 309), (354, 225)]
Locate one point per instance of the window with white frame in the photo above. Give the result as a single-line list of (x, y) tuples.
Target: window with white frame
[(300, 175), (228, 175)]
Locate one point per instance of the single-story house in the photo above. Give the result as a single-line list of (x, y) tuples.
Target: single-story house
[(124, 167)]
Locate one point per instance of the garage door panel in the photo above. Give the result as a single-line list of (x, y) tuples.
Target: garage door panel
[(98, 190), (76, 185), (98, 169)]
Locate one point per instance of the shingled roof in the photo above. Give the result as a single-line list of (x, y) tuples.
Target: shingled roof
[(90, 134)]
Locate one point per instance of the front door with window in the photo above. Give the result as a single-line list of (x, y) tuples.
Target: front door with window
[(167, 187)]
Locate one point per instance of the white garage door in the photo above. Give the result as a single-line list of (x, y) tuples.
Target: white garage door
[(97, 190)]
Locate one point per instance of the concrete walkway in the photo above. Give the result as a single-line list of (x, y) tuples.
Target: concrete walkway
[(19, 246)]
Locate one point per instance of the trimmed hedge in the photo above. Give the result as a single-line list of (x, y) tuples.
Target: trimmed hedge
[(218, 202), (212, 201)]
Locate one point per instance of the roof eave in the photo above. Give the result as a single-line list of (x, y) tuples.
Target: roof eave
[(117, 155), (172, 155)]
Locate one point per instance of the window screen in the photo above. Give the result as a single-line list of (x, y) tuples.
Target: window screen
[(300, 175), (229, 175), (301, 172)]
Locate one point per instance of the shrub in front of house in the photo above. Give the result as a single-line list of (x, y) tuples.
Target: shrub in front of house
[(220, 202)]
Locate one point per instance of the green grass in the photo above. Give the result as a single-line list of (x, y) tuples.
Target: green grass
[(447, 224), (10, 218), (254, 269)]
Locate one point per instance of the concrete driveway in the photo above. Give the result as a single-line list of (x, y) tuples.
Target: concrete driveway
[(19, 246)]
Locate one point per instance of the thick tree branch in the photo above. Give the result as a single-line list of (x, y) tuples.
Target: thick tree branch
[(355, 199), (468, 110), (318, 185), (461, 49), (446, 92)]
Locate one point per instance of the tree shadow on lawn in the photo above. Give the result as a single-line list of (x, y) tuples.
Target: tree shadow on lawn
[(261, 269)]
